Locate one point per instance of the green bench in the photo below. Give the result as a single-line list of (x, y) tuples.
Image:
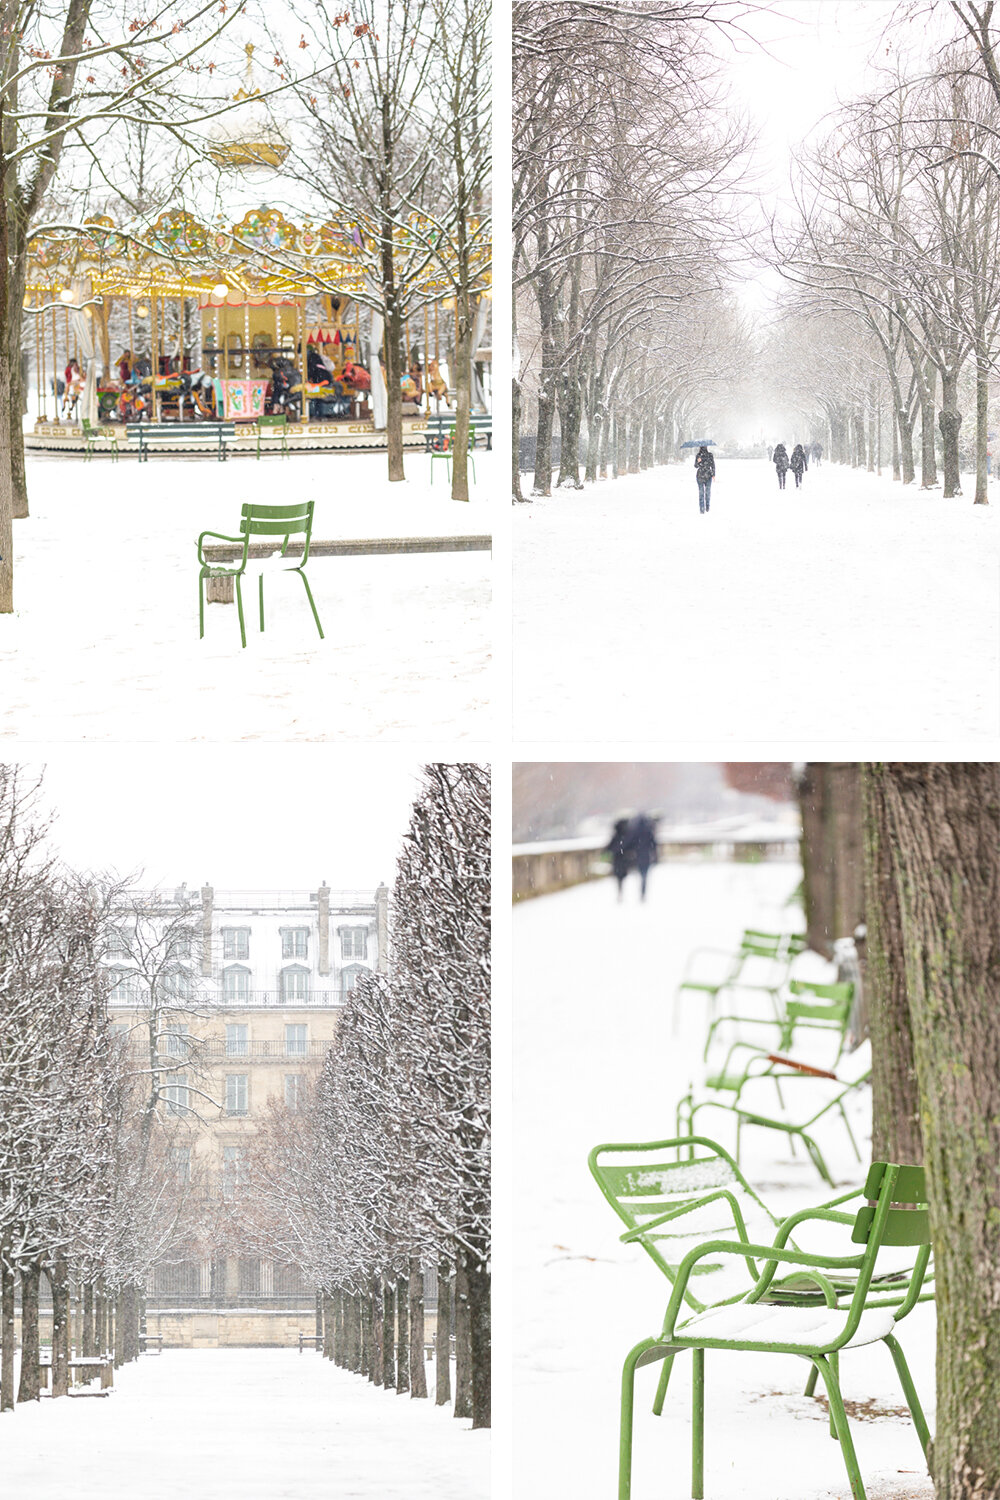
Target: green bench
[(439, 428), (169, 435)]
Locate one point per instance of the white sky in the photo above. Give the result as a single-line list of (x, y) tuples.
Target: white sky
[(204, 812)]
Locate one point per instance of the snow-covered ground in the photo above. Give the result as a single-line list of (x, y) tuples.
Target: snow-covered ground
[(596, 1059), (261, 1424), (104, 641), (851, 607)]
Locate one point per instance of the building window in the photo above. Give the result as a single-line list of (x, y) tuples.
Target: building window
[(236, 1039), (354, 942), (295, 1085), (295, 942), (295, 1041), (117, 943), (176, 985), (119, 1033), (175, 1095), (231, 1169), (179, 944), (250, 1277), (180, 1162), (124, 986), (295, 983), (236, 983), (349, 977), (287, 1281), (236, 1093), (236, 942), (175, 1039)]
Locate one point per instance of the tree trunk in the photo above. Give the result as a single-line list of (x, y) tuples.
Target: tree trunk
[(418, 1375), (6, 1329), (547, 379), (905, 424), (59, 1281), (377, 1325), (19, 478), (393, 345), (832, 852), (326, 1324), (463, 1349), (28, 1385), (896, 1133), (442, 1350), (950, 420), (928, 456), (402, 1334), (339, 1329), (463, 404), (479, 1340), (388, 1334), (944, 823), (517, 493), (982, 439), (88, 1342)]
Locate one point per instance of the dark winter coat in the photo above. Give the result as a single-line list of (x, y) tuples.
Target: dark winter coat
[(781, 459), (641, 841), (799, 462), (704, 465), (620, 850)]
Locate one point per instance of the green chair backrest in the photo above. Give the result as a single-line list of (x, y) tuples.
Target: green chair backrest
[(276, 520), (706, 1196), (819, 1002), (281, 421), (760, 944)]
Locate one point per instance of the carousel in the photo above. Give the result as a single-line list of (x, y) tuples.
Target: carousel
[(200, 319)]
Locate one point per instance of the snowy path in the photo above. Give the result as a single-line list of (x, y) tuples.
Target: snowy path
[(104, 642), (851, 607), (595, 1060), (262, 1424)]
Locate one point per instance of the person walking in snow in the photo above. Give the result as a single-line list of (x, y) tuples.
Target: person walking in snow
[(781, 464), (640, 840), (704, 469), (621, 853), (817, 453), (798, 464)]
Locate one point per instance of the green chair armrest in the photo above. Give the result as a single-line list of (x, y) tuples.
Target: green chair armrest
[(236, 540)]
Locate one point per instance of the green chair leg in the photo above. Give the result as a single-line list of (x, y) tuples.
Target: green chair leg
[(239, 606), (698, 1427), (201, 607), (625, 1432), (840, 1422), (312, 602), (260, 590), (661, 1389), (910, 1392), (810, 1389), (816, 1157)]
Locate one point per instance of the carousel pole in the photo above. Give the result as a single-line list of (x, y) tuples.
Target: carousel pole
[(247, 373), (131, 337), (152, 352), (437, 350), (427, 389), (55, 362), (39, 378)]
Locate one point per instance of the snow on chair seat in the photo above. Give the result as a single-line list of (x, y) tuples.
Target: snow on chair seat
[(762, 1325)]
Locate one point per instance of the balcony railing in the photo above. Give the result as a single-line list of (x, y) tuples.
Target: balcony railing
[(206, 999), (215, 1050)]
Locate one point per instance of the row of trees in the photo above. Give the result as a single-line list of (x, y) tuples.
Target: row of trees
[(386, 1172), (897, 251), (622, 137), (913, 850), (89, 1200)]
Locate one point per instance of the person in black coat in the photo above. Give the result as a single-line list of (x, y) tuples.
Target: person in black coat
[(798, 463), (621, 853), (781, 464), (704, 469), (641, 842)]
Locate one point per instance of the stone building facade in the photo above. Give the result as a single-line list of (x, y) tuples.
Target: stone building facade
[(236, 993)]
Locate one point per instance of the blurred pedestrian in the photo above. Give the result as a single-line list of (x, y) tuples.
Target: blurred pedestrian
[(621, 854), (704, 469), (798, 464), (641, 843), (781, 464)]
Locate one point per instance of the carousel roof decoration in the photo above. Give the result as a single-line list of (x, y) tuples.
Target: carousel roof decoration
[(247, 136)]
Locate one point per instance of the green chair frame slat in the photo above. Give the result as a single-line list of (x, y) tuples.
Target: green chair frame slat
[(782, 947), (811, 1007), (897, 1216), (93, 435), (273, 427), (260, 520)]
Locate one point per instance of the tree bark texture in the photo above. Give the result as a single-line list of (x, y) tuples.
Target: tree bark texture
[(442, 1347), (463, 1350), (950, 420), (944, 823), (896, 1134), (28, 1385), (832, 851), (6, 1331), (402, 1335), (388, 1334), (479, 1340), (418, 1374), (59, 1280)]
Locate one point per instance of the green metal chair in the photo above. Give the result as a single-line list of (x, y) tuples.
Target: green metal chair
[(94, 435), (824, 1008), (853, 1072), (896, 1215), (271, 428), (780, 948), (260, 520)]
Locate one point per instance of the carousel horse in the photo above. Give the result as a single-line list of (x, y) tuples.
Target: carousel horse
[(436, 383), (358, 377), (199, 389), (410, 389), (286, 390), (72, 393)]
